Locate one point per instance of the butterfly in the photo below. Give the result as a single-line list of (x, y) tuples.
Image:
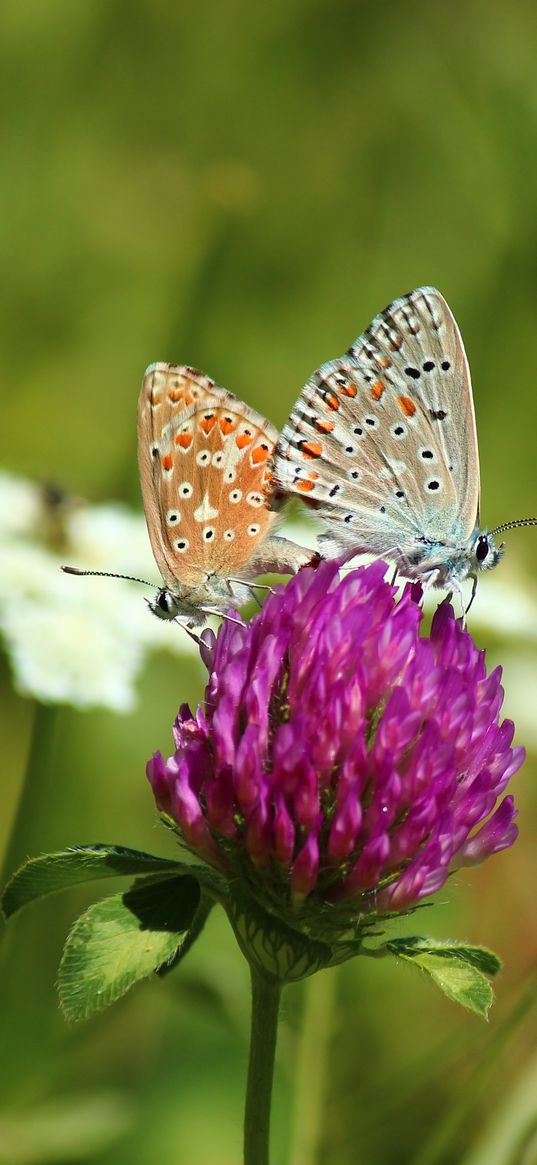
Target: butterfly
[(383, 443), (208, 493)]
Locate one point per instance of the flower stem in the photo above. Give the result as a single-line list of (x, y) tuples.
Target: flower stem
[(312, 1068), (265, 1006)]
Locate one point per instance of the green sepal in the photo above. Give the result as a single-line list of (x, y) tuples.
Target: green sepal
[(123, 939), (458, 969), (272, 946), (81, 863)]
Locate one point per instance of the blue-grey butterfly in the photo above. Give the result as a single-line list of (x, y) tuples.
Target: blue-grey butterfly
[(383, 443)]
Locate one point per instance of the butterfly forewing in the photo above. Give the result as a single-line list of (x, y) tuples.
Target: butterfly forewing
[(206, 485), (383, 439)]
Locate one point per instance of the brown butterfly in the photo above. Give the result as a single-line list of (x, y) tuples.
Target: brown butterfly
[(209, 497)]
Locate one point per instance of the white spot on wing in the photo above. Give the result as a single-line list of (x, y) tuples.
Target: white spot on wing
[(205, 511)]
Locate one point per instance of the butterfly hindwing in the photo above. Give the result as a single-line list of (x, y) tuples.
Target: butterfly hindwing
[(206, 486)]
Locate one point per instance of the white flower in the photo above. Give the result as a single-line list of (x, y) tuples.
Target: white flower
[(80, 641)]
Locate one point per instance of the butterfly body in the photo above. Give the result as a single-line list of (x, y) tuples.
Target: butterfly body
[(382, 442), (208, 493)]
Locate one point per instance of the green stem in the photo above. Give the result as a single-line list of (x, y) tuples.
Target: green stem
[(34, 794), (265, 1006), (312, 1068)]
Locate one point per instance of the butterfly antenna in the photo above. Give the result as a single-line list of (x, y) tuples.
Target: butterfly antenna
[(106, 574), (512, 525)]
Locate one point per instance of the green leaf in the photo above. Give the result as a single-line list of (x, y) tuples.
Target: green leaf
[(198, 922), (81, 863), (459, 970), (479, 957), (122, 939)]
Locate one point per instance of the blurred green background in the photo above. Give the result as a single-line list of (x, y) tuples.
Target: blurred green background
[(242, 187)]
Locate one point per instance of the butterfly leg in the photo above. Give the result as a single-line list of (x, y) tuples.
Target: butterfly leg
[(192, 634), (429, 579), (457, 589), (243, 582), (280, 556), (222, 615), (473, 594)]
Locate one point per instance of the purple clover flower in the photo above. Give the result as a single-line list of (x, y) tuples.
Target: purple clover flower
[(340, 757)]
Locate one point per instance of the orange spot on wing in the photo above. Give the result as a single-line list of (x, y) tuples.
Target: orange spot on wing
[(348, 390), (407, 405), (260, 454), (184, 440), (226, 425), (243, 439), (208, 423), (332, 401), (324, 426), (305, 486), (377, 389), (311, 448), (384, 362), (167, 461), (153, 397), (177, 395)]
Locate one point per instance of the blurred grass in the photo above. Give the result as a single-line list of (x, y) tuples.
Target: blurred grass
[(242, 187)]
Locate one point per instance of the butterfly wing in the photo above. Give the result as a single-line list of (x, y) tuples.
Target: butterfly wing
[(383, 440), (206, 485)]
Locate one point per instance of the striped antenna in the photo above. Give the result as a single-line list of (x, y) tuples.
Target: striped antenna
[(512, 525), (107, 574)]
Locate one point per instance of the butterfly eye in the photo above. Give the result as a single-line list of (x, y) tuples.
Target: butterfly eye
[(482, 548), (165, 602)]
